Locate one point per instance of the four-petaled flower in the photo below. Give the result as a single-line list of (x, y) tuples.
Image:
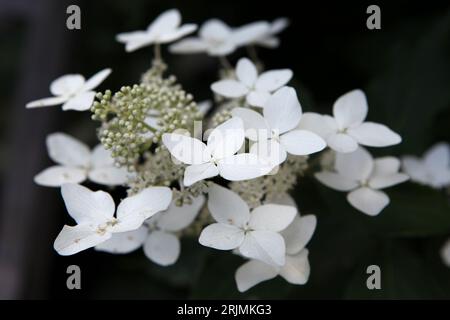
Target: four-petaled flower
[(274, 130), (255, 234), (269, 39), (256, 88), (346, 129), (218, 157), (363, 176), (94, 215), (166, 28), (76, 163), (73, 91)]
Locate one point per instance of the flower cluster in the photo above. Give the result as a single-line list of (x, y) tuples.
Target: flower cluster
[(221, 172)]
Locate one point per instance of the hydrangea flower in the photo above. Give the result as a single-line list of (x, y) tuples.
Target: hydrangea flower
[(363, 177), (94, 215), (157, 235), (255, 234), (433, 169), (296, 269), (274, 131), (216, 38), (166, 28), (76, 163), (255, 88), (73, 91), (347, 128), (269, 39), (218, 157)]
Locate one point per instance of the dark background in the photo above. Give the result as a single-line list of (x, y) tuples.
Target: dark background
[(404, 69)]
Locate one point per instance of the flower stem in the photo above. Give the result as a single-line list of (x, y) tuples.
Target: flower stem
[(225, 63)]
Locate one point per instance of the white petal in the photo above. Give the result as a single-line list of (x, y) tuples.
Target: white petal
[(253, 272), (81, 102), (298, 233), (186, 149), (221, 48), (266, 246), (302, 142), (269, 42), (257, 98), (134, 210), (94, 81), (272, 217), (101, 157), (214, 29), (246, 72), (283, 111), (250, 33), (316, 123), (385, 165), (243, 166), (342, 142), (273, 79), (336, 181), (86, 206), (131, 36), (415, 168), (374, 135), (179, 217), (357, 165), (284, 199), (162, 248), (297, 268), (254, 123), (269, 150), (189, 45), (67, 85), (139, 42), (229, 88), (109, 176), (124, 242), (198, 172), (279, 25), (221, 236), (227, 138), (445, 253), (367, 200), (204, 106), (66, 150), (350, 109), (166, 22), (72, 240), (437, 157), (56, 176), (385, 181), (177, 34), (227, 207), (45, 102)]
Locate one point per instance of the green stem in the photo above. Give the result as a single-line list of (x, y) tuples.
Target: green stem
[(225, 63), (157, 52)]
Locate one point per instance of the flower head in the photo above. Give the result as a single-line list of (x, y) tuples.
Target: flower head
[(73, 91)]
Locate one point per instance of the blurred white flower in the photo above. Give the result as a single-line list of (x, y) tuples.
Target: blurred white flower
[(433, 169), (346, 129), (256, 88), (73, 91), (166, 28), (445, 253), (296, 269), (94, 214), (269, 39), (363, 176), (255, 234), (218, 157), (157, 235), (274, 130), (216, 38), (76, 163)]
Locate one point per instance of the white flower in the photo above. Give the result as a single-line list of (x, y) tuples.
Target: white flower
[(445, 253), (255, 234), (94, 215), (76, 163), (218, 156), (157, 235), (73, 91), (274, 130), (256, 88), (346, 129), (363, 176), (216, 38), (269, 39), (296, 268), (166, 28), (433, 169)]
